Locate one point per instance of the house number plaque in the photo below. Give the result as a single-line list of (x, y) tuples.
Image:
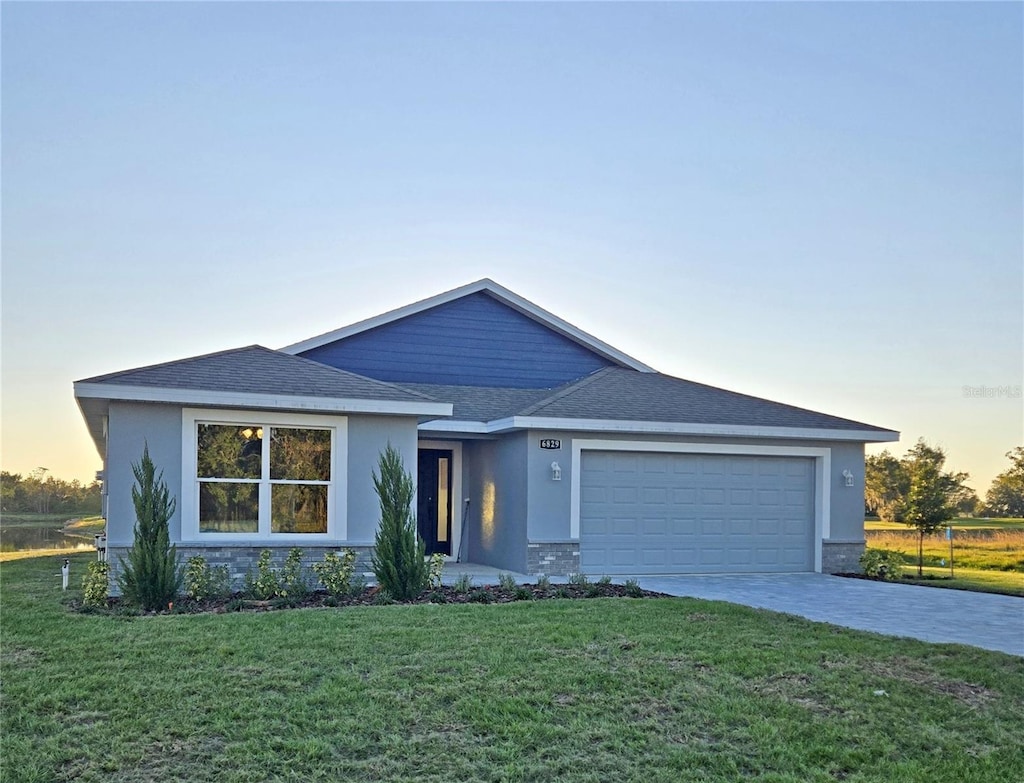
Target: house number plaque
[(550, 443)]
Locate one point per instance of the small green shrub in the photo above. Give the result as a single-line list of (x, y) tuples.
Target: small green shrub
[(96, 584), (438, 597), (633, 589), (435, 569), (882, 564), (203, 581), (294, 584), (266, 584), (561, 592), (523, 593), (507, 581), (463, 584), (335, 573), (383, 597), (481, 596), (605, 580), (544, 582), (579, 579), (594, 589)]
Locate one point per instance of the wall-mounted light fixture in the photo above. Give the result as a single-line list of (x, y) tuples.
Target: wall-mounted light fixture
[(848, 477), (556, 472)]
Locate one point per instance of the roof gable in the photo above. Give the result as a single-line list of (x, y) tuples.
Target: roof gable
[(478, 335)]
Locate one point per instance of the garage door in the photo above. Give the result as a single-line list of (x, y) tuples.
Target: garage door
[(661, 513)]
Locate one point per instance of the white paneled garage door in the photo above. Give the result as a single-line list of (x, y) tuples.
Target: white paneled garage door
[(665, 513)]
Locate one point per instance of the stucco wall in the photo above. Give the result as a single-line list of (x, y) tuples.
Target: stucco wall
[(368, 436), (495, 481), (132, 425)]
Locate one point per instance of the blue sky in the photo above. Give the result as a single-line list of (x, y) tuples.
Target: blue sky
[(816, 203)]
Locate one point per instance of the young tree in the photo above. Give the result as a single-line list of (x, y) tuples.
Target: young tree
[(1005, 498), (928, 502), (151, 577), (398, 555)]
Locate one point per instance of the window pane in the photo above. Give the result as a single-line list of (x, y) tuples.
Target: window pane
[(228, 508), (300, 455), (298, 508), (230, 451)]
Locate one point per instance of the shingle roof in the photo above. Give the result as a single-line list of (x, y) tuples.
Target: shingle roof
[(626, 395), (481, 403), (621, 394), (258, 370)]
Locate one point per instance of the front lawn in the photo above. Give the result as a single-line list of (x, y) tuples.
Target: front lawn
[(585, 690)]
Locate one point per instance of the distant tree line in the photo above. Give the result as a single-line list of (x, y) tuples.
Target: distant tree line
[(43, 494), (893, 487)]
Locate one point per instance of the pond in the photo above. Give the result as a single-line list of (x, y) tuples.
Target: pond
[(15, 539)]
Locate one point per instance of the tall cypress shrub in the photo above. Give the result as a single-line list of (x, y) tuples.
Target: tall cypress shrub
[(151, 577), (398, 555)]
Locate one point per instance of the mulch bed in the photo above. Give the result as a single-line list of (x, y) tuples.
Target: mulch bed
[(446, 594)]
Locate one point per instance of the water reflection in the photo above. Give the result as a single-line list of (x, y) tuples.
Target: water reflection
[(15, 539)]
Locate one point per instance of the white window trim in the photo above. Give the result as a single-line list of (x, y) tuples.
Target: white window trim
[(822, 470), (337, 493), (455, 447)]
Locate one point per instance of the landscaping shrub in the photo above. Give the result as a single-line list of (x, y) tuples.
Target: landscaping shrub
[(398, 557), (266, 584), (435, 570), (96, 584), (335, 573), (507, 581), (293, 582), (203, 581), (882, 564), (481, 596), (463, 584), (151, 576), (633, 589)]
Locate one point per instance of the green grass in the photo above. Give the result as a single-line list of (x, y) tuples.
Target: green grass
[(966, 523), (589, 690), (977, 580)]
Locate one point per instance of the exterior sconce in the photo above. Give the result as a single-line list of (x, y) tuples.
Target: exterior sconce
[(556, 472), (848, 477)]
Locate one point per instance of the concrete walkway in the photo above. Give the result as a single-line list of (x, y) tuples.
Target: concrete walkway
[(992, 622)]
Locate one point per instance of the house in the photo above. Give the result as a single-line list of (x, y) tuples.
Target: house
[(536, 448)]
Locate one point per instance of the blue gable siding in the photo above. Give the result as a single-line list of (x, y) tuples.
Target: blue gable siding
[(472, 341)]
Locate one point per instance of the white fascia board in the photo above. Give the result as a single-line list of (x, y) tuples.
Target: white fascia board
[(674, 428), (450, 425), (265, 401), (510, 298)]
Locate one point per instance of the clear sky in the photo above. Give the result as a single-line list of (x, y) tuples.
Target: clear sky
[(815, 203)]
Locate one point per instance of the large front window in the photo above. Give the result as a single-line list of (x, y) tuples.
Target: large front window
[(258, 477)]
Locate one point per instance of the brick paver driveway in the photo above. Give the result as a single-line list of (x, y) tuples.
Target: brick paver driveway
[(992, 622)]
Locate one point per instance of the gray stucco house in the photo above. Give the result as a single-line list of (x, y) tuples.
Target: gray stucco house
[(536, 447)]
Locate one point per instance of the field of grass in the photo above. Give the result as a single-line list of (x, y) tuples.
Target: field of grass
[(998, 550), (588, 690)]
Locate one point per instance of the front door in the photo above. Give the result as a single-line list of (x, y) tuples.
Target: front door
[(434, 500)]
